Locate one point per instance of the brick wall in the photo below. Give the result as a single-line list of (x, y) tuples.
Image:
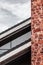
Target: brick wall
[(37, 32)]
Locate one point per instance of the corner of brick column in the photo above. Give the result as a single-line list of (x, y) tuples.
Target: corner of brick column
[(37, 32)]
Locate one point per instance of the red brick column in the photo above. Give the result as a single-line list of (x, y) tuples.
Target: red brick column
[(37, 32)]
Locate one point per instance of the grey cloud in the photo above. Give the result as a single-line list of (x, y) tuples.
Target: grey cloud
[(15, 1), (8, 18)]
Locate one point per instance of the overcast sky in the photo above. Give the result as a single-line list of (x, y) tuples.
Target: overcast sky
[(13, 11)]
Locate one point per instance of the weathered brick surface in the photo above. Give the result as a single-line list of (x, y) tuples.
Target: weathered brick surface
[(37, 32)]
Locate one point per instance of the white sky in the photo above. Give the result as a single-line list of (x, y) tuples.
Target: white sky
[(13, 11)]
